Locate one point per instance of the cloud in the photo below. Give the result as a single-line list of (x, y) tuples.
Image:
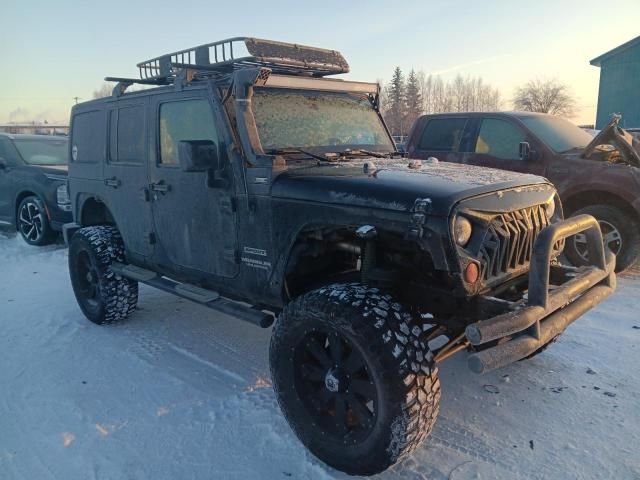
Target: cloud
[(19, 115), (462, 66), (25, 115)]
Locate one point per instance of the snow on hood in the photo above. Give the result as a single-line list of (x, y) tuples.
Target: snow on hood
[(393, 185)]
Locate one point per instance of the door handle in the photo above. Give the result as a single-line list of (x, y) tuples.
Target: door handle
[(160, 187), (112, 182)]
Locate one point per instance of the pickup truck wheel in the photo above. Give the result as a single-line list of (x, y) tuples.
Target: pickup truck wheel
[(355, 382), (620, 232), (32, 222), (104, 297)]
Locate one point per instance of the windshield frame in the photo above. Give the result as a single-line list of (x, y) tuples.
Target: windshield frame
[(389, 148), (545, 139), (58, 140)]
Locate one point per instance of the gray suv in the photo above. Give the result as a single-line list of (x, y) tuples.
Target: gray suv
[(33, 186)]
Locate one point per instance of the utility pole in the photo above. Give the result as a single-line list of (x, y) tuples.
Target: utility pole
[(76, 99)]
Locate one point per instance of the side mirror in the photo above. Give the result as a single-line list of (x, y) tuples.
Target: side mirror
[(525, 151), (3, 163), (198, 155)]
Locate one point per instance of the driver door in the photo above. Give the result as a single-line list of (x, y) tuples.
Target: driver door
[(194, 222), (497, 145)]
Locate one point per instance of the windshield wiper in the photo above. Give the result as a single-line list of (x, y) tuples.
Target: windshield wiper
[(359, 151), (285, 150)]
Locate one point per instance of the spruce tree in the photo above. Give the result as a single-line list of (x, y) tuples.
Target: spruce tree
[(397, 105), (413, 98)]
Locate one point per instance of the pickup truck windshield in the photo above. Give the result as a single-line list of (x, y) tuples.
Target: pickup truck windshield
[(43, 152), (293, 118), (559, 134)]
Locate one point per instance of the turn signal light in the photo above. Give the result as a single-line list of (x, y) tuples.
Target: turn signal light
[(471, 273)]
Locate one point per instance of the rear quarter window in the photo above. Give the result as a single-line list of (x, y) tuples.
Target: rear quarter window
[(442, 134), (88, 137)]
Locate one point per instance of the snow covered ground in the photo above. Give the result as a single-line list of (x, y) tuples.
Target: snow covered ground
[(180, 392)]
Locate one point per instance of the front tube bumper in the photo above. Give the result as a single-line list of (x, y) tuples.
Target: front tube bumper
[(547, 313)]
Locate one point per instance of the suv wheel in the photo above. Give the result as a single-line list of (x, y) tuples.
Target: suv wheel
[(32, 222), (103, 296), (353, 379), (620, 232)]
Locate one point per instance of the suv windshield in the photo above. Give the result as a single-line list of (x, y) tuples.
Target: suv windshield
[(43, 152), (287, 118), (559, 134)]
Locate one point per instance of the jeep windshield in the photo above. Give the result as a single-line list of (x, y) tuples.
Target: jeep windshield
[(295, 120), (559, 134)]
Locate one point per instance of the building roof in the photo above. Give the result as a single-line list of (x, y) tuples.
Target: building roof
[(29, 136), (596, 62)]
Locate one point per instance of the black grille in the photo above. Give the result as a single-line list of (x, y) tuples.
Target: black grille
[(508, 243)]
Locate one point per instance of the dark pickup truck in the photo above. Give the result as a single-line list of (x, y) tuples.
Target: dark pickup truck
[(597, 175)]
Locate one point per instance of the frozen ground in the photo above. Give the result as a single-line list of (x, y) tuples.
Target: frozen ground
[(180, 392)]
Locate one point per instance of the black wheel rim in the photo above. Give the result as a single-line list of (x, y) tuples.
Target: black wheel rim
[(31, 221), (87, 279), (335, 385), (611, 238)]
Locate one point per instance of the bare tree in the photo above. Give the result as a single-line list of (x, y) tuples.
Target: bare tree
[(104, 91), (545, 96), (402, 102), (462, 94), (383, 100)]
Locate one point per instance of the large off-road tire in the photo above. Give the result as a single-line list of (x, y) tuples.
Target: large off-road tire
[(32, 222), (104, 297), (621, 234), (353, 379)]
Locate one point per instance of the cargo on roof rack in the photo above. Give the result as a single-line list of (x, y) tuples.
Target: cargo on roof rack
[(225, 56)]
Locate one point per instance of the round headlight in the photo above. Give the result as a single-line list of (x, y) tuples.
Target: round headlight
[(462, 231), (550, 207)]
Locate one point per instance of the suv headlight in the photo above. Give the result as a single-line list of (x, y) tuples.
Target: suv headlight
[(62, 197), (462, 229), (550, 207)]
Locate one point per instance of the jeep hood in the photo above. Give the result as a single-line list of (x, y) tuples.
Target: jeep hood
[(624, 142), (395, 186)]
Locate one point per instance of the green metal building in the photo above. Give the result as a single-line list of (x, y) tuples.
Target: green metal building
[(619, 90)]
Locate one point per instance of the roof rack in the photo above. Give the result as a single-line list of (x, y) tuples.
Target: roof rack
[(225, 56)]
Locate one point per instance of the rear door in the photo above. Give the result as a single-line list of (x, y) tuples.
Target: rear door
[(126, 174), (444, 138), (497, 145), (194, 216)]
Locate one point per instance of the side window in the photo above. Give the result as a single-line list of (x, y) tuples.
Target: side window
[(499, 139), (442, 134), (88, 137), (184, 120), (5, 151), (127, 134)]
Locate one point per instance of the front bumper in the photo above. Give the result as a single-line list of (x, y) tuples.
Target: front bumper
[(548, 311)]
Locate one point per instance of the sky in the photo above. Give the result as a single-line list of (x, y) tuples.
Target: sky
[(53, 51)]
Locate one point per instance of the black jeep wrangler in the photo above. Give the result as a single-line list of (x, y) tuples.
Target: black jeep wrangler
[(248, 181)]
